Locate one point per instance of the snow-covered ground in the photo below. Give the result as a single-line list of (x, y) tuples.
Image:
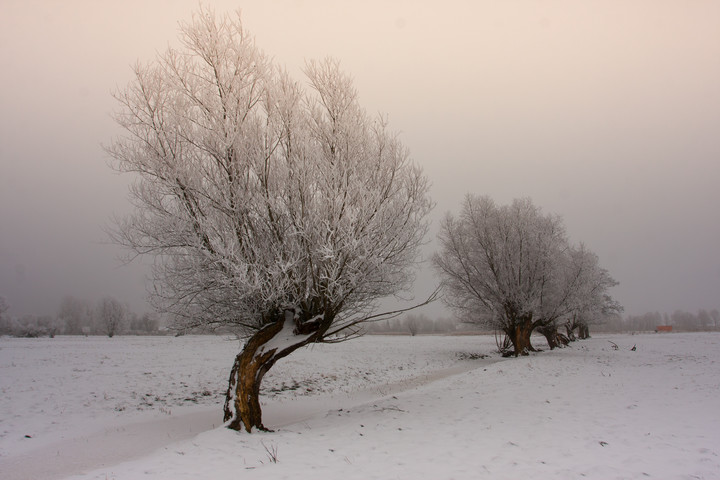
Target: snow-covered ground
[(375, 407)]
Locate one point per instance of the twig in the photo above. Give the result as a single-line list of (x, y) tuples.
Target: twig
[(272, 452)]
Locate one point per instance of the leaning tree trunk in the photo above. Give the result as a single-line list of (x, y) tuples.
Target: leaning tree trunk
[(262, 350)]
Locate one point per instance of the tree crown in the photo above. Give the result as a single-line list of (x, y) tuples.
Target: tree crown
[(258, 195)]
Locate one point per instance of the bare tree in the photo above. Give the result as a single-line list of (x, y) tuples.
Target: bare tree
[(512, 268), (497, 262), (412, 323), (74, 314), (33, 326), (703, 319), (578, 297), (145, 323), (5, 324), (110, 315), (715, 317), (282, 212)]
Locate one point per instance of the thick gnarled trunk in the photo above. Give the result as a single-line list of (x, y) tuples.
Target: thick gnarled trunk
[(262, 350), (554, 338), (242, 401), (519, 334)]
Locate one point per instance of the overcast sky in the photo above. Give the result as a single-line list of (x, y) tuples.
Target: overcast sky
[(605, 112)]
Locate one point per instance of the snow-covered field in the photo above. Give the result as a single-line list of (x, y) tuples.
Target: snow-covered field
[(375, 407)]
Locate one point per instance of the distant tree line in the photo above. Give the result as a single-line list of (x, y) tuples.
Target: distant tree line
[(682, 321), (76, 316), (415, 324), (110, 317)]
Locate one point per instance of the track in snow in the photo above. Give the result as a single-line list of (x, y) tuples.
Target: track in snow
[(125, 442)]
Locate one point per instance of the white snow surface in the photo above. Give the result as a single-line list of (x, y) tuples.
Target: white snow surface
[(375, 407)]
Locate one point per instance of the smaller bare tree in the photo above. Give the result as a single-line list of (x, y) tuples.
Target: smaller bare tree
[(110, 315), (412, 323), (74, 314), (715, 316), (498, 264), (146, 323), (578, 297)]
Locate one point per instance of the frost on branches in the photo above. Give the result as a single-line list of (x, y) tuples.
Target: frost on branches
[(512, 268), (281, 211)]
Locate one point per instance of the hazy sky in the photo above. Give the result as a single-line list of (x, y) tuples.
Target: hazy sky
[(605, 112)]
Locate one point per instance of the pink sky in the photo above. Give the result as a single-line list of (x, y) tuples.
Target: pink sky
[(605, 112)]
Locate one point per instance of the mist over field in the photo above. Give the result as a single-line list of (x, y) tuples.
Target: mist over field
[(605, 114)]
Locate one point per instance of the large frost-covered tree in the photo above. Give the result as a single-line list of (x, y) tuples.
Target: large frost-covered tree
[(282, 211), (511, 267)]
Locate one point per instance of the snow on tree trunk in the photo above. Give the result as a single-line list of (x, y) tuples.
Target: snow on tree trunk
[(262, 350)]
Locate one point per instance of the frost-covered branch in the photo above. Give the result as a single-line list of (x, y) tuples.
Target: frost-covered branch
[(512, 268), (258, 196)]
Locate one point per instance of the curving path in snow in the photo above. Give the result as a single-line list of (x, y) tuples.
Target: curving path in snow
[(122, 442)]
